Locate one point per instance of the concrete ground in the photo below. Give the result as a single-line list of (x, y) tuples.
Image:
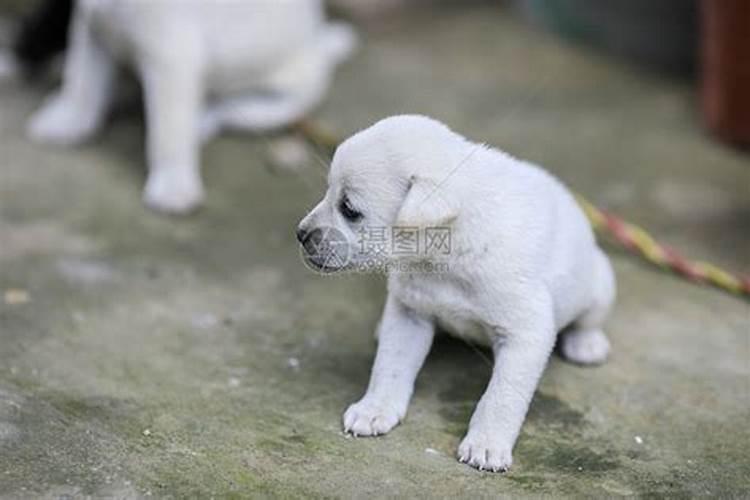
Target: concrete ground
[(198, 357)]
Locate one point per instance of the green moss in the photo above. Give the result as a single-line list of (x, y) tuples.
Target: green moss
[(571, 458), (550, 411)]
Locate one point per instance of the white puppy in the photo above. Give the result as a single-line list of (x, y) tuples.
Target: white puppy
[(522, 266), (204, 65)]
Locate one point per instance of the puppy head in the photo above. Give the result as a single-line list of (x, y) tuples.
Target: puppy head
[(395, 174)]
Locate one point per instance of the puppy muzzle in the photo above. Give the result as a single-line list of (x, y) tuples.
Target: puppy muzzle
[(325, 249)]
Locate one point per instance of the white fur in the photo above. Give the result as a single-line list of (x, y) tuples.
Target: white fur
[(204, 65), (523, 266)]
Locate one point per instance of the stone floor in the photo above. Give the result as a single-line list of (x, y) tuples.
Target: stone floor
[(197, 357)]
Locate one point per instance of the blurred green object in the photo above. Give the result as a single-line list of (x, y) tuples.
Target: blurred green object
[(659, 33)]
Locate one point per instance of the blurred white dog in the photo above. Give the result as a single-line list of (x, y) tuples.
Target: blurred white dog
[(522, 266), (204, 65)]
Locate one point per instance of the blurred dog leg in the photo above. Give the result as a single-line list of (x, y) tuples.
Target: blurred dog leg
[(76, 111), (173, 92), (255, 113)]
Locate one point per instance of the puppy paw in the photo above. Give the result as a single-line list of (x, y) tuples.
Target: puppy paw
[(59, 121), (484, 454), (585, 347), (369, 418), (175, 191)]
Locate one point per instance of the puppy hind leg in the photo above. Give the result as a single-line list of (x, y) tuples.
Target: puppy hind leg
[(290, 92), (254, 113), (585, 342), (76, 111)]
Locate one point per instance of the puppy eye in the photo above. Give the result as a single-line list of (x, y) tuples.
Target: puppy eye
[(348, 211)]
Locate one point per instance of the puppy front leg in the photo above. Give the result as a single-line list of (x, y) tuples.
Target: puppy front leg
[(520, 359), (74, 113), (173, 90), (404, 339)]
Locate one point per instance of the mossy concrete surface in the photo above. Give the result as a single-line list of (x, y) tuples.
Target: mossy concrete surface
[(196, 357)]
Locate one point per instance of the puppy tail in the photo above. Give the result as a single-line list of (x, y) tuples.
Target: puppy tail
[(339, 41)]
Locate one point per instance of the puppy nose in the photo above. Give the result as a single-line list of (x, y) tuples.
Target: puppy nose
[(301, 234)]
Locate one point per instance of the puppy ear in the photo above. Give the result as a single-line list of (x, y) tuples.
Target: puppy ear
[(427, 204)]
